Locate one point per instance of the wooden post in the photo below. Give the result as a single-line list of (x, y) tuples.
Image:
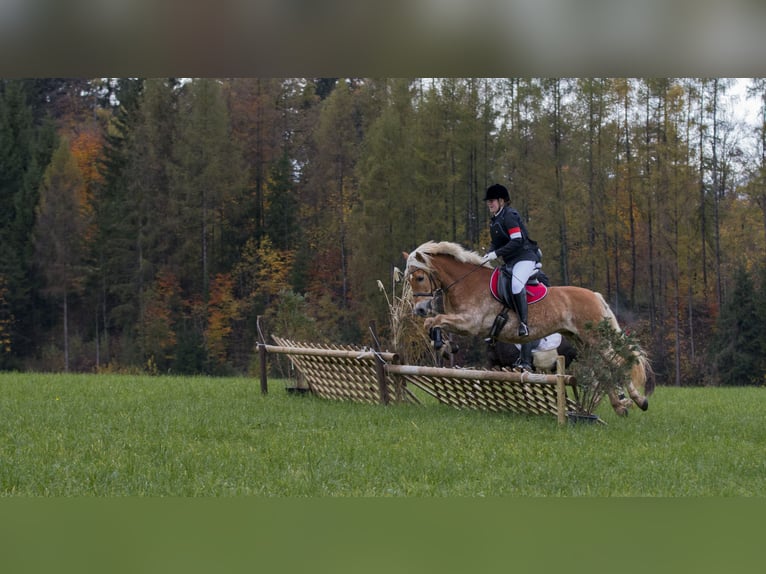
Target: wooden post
[(561, 391), (379, 367), (264, 369), (262, 356)]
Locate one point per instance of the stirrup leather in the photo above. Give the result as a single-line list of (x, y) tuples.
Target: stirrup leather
[(500, 320)]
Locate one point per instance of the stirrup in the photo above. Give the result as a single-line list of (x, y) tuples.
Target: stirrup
[(523, 329)]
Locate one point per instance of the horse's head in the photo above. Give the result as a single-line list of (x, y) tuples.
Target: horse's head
[(430, 276), (422, 283)]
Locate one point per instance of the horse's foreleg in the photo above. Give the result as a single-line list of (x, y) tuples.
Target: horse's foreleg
[(638, 378), (620, 405), (638, 398), (464, 324)]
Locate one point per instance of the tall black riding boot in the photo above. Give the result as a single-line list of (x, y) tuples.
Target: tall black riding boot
[(497, 326), (520, 302), (524, 362)]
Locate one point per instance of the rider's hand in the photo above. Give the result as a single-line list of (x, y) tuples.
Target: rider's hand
[(491, 256)]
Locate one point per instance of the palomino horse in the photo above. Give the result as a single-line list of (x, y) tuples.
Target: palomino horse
[(446, 276)]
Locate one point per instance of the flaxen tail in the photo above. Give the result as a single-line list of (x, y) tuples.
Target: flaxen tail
[(641, 373)]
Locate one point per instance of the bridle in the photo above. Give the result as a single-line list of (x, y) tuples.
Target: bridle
[(438, 293)]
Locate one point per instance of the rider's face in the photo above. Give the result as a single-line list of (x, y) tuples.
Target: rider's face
[(493, 205)]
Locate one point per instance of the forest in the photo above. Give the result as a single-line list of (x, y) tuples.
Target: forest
[(146, 223)]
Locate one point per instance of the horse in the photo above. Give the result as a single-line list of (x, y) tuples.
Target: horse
[(450, 288)]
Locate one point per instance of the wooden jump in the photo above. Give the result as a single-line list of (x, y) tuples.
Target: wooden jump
[(361, 374)]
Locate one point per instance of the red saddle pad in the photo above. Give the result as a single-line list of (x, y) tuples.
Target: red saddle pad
[(534, 292)]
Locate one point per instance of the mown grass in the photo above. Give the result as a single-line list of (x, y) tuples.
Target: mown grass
[(110, 435)]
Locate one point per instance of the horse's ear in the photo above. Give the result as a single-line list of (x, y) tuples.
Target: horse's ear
[(406, 255)]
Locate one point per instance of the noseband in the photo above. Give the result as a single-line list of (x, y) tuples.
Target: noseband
[(436, 294)]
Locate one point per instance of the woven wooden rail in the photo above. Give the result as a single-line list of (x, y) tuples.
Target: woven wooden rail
[(363, 375)]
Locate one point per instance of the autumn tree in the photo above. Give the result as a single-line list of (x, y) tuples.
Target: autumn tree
[(61, 232), (156, 331), (223, 310), (262, 273), (261, 124), (757, 184)]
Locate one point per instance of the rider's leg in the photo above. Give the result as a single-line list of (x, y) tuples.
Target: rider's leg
[(520, 275)]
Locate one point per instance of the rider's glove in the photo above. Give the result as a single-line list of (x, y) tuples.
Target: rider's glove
[(491, 256)]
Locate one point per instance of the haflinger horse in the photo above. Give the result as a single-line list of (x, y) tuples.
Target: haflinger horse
[(447, 276)]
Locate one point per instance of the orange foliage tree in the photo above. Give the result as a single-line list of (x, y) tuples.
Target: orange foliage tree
[(223, 309), (156, 327)]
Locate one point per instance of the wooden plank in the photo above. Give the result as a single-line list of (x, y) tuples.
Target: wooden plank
[(477, 374), (264, 379), (361, 354), (561, 391)]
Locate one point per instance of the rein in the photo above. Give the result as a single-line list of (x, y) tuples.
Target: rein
[(439, 292), (459, 279)]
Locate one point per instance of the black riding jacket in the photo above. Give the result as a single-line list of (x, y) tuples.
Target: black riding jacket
[(510, 239)]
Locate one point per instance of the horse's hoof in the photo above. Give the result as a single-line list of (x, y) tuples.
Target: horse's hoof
[(621, 411), (644, 405)]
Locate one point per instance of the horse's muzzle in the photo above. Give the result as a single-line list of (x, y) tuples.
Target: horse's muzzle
[(422, 308)]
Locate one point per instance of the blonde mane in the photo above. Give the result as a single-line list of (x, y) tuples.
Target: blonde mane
[(429, 248)]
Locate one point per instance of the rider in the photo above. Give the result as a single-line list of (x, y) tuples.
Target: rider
[(519, 253)]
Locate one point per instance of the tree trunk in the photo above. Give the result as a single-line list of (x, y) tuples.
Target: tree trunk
[(66, 332)]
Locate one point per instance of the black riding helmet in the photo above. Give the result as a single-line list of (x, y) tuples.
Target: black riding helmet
[(497, 191)]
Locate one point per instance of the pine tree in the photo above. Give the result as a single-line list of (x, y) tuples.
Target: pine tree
[(332, 195), (206, 177), (281, 223), (115, 246), (206, 182), (389, 198), (737, 341), (25, 149)]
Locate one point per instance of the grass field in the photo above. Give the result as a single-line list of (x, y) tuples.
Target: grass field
[(112, 436)]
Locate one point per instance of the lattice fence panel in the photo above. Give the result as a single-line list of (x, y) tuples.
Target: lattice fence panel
[(495, 391), (497, 396), (344, 372)]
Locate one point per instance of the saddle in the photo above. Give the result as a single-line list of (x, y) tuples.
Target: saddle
[(500, 287)]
